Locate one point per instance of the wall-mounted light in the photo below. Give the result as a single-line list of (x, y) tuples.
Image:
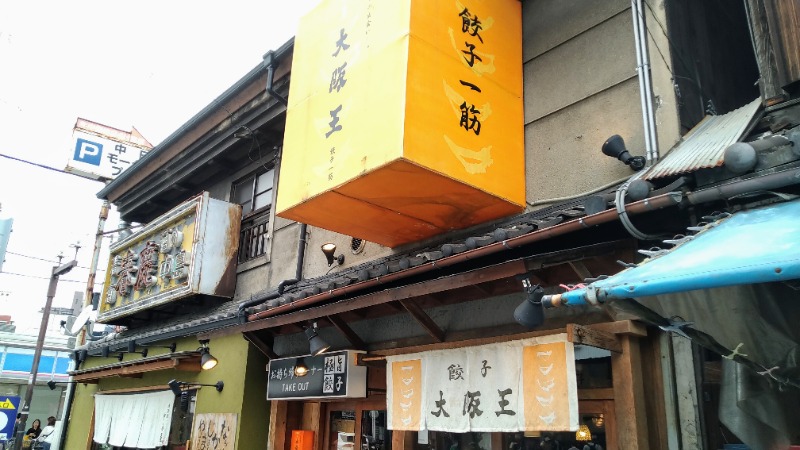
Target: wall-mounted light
[(615, 148), (530, 312), (329, 250), (207, 360), (316, 344), (52, 384), (300, 368), (177, 386)]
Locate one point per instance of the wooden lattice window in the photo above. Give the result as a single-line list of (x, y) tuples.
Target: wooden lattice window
[(254, 193)]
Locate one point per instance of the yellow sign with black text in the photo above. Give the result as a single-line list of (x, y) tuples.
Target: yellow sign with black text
[(405, 118)]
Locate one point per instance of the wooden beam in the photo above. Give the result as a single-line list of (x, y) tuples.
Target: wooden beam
[(423, 319), (130, 370), (596, 394), (496, 272), (629, 396), (260, 345), (623, 327), (579, 334), (479, 336), (348, 332), (365, 359), (395, 306), (580, 269)]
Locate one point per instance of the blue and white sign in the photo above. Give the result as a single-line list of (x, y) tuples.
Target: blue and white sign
[(9, 404), (88, 152), (100, 158)]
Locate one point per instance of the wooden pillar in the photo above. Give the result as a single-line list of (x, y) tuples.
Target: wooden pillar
[(276, 439), (629, 395), (312, 413), (688, 401), (402, 440)]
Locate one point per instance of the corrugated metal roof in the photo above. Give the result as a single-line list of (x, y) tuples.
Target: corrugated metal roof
[(704, 146)]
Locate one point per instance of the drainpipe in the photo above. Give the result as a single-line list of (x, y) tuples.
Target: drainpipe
[(277, 292), (269, 63), (67, 406), (645, 86)]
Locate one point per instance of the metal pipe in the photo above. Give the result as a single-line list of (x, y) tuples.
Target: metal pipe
[(645, 87), (651, 113), (650, 204), (269, 62), (762, 183), (67, 406)]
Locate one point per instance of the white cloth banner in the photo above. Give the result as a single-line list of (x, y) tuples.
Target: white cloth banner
[(133, 420), (522, 385)]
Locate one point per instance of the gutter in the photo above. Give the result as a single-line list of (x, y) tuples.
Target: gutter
[(210, 109), (609, 215)]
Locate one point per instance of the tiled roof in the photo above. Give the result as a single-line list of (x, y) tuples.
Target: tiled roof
[(226, 313)]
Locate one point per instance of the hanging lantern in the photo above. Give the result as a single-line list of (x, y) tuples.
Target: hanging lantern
[(583, 434)]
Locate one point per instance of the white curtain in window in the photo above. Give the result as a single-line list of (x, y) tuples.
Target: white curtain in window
[(133, 420)]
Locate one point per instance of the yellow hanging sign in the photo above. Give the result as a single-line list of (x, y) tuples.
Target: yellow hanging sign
[(405, 118)]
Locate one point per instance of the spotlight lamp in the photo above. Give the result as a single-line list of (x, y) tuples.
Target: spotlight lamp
[(207, 360), (316, 344), (52, 383), (177, 386), (329, 250), (530, 312), (615, 148)]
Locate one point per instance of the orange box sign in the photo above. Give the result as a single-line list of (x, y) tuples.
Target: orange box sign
[(302, 440), (405, 118)]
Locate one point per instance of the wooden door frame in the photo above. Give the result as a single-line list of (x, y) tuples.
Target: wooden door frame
[(359, 406)]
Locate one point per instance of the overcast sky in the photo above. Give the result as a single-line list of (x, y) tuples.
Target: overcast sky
[(147, 64)]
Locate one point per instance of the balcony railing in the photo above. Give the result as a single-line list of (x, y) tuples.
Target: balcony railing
[(253, 238)]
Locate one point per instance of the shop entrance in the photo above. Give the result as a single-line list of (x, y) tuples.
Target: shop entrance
[(357, 426)]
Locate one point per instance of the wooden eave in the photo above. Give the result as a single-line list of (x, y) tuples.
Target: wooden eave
[(184, 361)]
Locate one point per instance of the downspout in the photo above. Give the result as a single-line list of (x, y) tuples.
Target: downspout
[(67, 406), (269, 63), (648, 118), (645, 84)]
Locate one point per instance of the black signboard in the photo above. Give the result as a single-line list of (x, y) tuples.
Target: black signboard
[(327, 376)]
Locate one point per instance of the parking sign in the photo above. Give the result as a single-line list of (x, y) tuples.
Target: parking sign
[(88, 152)]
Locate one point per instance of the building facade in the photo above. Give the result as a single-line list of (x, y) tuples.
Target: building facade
[(451, 302)]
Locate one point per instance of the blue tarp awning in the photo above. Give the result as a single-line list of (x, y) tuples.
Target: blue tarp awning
[(755, 246)]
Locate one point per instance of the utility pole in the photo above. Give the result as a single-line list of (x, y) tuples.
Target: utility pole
[(98, 243), (51, 292)]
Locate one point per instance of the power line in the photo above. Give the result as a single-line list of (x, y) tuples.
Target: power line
[(44, 278), (47, 260), (35, 164)]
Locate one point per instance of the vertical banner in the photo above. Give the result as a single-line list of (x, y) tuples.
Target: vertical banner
[(525, 385), (407, 390), (550, 400)]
